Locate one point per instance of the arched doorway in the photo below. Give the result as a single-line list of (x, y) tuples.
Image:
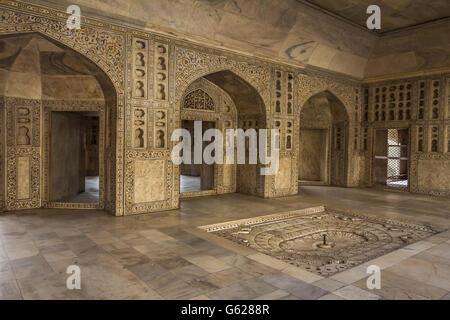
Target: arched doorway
[(61, 118), (223, 100), (323, 141)]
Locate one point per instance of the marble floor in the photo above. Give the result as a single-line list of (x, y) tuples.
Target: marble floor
[(166, 256), (401, 184), (90, 195)]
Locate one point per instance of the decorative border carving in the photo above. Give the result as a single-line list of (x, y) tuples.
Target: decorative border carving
[(130, 206), (12, 180), (2, 152)]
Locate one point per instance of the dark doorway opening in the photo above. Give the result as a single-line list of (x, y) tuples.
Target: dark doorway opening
[(196, 177), (74, 157)]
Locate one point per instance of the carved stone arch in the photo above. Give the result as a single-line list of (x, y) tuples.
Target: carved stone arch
[(328, 127), (229, 74), (211, 71), (192, 65), (329, 91), (333, 92), (108, 57), (112, 62), (309, 86)]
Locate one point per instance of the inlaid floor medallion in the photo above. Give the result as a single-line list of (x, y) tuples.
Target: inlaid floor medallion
[(322, 240)]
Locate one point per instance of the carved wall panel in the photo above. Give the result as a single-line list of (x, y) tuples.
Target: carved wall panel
[(160, 125), (279, 99), (393, 102), (366, 105), (149, 182), (198, 100), (161, 68), (140, 125), (23, 156), (149, 177), (421, 100), (23, 122), (426, 124), (140, 68), (435, 97), (23, 177)]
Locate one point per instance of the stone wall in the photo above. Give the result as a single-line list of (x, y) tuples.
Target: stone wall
[(422, 105), (144, 77)]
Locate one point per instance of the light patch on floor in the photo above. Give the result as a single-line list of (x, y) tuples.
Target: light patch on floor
[(189, 184), (90, 195)]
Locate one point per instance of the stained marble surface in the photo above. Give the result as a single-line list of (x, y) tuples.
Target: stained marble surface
[(293, 32)]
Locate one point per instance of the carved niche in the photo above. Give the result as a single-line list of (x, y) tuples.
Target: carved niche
[(393, 102), (139, 127), (140, 68), (161, 72), (160, 129)]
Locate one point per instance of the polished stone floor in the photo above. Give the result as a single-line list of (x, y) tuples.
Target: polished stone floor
[(166, 256), (90, 195)]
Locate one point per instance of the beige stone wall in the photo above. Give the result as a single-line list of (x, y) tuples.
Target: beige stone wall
[(313, 160), (421, 105), (434, 175), (147, 74)]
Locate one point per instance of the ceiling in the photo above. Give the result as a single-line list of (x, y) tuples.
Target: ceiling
[(395, 14)]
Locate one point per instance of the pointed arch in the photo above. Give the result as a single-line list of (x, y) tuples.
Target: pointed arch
[(109, 73)]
